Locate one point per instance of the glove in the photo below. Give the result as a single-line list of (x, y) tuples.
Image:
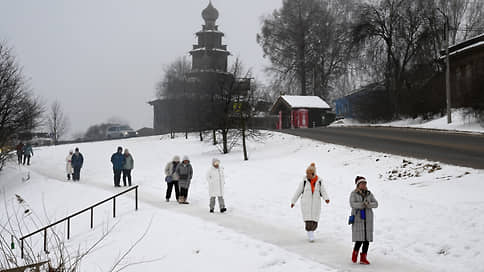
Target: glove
[(366, 203)]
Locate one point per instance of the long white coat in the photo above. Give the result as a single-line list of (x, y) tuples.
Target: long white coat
[(310, 202), (216, 181), (68, 164)]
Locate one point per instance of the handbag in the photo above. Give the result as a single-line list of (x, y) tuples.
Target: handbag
[(351, 219), (168, 179), (363, 214)]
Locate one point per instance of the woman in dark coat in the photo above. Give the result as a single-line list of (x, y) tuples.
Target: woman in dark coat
[(362, 203), (184, 172)]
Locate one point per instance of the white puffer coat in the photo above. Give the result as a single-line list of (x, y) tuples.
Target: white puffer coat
[(68, 164), (216, 181), (310, 202)]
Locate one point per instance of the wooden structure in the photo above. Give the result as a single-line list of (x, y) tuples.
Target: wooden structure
[(301, 112), (467, 72)]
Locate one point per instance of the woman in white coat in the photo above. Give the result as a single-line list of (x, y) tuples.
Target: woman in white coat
[(69, 165), (216, 182), (311, 190)]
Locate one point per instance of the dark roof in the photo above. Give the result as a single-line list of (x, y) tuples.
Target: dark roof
[(474, 42)]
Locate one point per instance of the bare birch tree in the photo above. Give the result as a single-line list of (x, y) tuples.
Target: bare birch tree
[(57, 122)]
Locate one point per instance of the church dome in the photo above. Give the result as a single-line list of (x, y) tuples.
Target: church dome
[(210, 13)]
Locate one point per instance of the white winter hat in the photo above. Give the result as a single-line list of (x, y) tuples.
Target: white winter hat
[(312, 168), (359, 179), (176, 158), (185, 158)]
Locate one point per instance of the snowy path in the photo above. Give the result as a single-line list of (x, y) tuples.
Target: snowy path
[(325, 250)]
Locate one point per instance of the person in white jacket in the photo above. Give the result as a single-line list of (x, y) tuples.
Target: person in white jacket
[(311, 190), (216, 182), (69, 165)]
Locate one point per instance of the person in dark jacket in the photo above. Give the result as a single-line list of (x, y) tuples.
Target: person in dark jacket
[(28, 152), (362, 203), (171, 178), (117, 159), (127, 167), (20, 152), (77, 161), (184, 172)]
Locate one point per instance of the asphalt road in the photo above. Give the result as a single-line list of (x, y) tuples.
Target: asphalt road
[(461, 149)]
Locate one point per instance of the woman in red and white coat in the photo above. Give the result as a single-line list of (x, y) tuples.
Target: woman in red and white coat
[(311, 190)]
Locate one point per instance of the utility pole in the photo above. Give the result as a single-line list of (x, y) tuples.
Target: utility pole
[(447, 72), (447, 69)]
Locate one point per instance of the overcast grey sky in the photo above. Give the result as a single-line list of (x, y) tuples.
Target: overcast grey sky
[(102, 58)]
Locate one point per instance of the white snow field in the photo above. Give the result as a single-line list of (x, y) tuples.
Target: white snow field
[(429, 216)]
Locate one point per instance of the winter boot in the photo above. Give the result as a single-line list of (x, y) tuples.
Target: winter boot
[(311, 236), (363, 259), (211, 210), (68, 176), (181, 199), (354, 257), (167, 200), (223, 210)]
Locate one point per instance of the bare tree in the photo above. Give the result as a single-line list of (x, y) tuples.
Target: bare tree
[(396, 38), (174, 78), (20, 110), (307, 41), (57, 122), (466, 18)]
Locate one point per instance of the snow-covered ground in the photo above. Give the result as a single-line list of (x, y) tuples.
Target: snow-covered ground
[(460, 122), (428, 218)]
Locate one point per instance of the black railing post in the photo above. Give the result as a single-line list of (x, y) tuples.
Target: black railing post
[(68, 218), (136, 197), (45, 240)]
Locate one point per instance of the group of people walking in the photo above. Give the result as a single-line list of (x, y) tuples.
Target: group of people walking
[(311, 191), (362, 202), (24, 152), (123, 163), (74, 162), (179, 175)]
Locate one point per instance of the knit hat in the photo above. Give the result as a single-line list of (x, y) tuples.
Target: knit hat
[(120, 148), (215, 161), (359, 179), (176, 158), (185, 158), (312, 168)]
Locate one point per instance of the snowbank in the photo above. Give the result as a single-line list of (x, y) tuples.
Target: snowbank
[(460, 122)]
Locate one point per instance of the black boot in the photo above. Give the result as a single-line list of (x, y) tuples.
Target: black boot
[(211, 210), (68, 176), (223, 210)]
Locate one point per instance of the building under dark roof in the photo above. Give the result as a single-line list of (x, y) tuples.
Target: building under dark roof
[(466, 72), (296, 111)]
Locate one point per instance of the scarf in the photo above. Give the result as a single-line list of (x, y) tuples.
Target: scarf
[(313, 183)]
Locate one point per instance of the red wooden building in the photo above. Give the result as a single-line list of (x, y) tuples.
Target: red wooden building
[(301, 111)]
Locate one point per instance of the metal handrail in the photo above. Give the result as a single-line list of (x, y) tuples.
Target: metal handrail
[(68, 218)]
